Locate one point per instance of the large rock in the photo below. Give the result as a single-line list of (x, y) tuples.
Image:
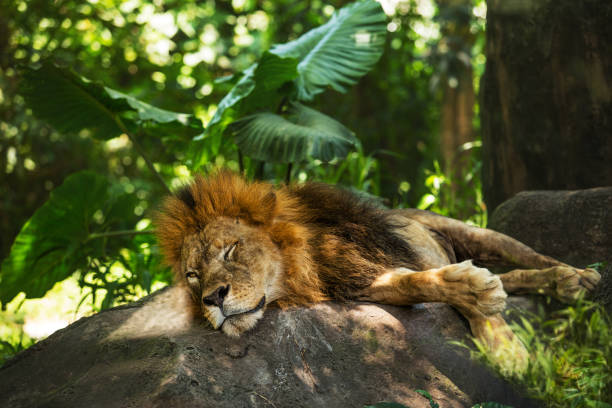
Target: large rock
[(572, 226), (151, 354)]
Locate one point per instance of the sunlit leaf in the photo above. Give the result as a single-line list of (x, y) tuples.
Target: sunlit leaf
[(146, 112), (340, 51), (71, 103), (269, 74), (303, 133), (54, 242), (257, 88)]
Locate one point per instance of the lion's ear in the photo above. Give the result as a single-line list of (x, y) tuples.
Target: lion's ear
[(262, 212)]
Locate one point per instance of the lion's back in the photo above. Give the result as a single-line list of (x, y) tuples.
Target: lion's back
[(353, 240)]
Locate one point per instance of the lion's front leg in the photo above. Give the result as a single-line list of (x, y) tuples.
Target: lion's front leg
[(564, 283), (475, 292)]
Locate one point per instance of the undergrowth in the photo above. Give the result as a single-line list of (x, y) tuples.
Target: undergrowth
[(433, 403), (570, 356)]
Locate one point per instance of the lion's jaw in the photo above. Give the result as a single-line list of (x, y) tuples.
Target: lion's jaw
[(234, 324), (238, 272)]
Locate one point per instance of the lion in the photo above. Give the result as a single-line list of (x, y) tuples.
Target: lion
[(239, 247)]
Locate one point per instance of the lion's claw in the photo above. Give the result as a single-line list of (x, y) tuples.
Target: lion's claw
[(567, 283), (590, 278)]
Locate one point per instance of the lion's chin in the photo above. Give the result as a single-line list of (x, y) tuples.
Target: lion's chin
[(234, 326)]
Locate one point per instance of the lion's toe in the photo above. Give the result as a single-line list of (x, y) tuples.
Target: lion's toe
[(481, 285), (589, 278), (568, 284)]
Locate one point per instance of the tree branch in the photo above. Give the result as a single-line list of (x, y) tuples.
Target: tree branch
[(118, 233)]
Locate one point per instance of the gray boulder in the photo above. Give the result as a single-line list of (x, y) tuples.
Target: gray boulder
[(152, 354), (572, 226)]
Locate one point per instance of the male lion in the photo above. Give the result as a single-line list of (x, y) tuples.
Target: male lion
[(239, 246)]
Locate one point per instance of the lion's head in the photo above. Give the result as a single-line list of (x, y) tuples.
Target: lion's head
[(237, 247), (233, 270)]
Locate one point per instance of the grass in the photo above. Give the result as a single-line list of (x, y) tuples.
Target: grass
[(570, 356)]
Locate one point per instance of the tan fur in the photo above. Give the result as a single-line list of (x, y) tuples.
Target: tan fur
[(239, 246)]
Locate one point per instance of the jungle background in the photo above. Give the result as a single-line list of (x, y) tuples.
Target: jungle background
[(416, 115)]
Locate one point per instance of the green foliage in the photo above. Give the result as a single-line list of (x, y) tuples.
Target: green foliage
[(357, 171), (570, 356), (385, 405), (59, 238), (261, 80), (340, 51), (304, 133), (456, 196), (432, 403), (72, 103), (12, 346), (427, 395), (335, 54), (88, 224)]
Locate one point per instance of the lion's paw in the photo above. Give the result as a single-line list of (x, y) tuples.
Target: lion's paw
[(567, 283), (479, 284), (505, 350)]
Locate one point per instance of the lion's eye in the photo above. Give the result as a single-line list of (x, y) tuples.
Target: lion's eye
[(230, 251), (191, 275)]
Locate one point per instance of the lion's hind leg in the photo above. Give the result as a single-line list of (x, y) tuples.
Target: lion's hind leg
[(475, 292), (564, 283)]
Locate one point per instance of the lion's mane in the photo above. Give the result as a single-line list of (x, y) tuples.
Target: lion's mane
[(332, 243)]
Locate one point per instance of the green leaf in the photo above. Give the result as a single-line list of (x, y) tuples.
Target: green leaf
[(491, 405), (146, 112), (340, 51), (304, 133), (432, 403), (54, 243), (257, 88), (71, 103), (386, 405), (269, 74), (273, 71)]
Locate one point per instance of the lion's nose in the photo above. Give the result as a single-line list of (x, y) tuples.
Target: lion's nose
[(216, 298)]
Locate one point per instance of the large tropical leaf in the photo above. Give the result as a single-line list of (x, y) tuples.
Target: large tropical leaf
[(146, 112), (340, 51), (71, 103), (304, 133), (55, 242), (257, 88), (269, 74)]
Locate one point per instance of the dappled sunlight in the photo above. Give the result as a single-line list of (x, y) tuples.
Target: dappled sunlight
[(42, 317), (108, 107), (173, 314)]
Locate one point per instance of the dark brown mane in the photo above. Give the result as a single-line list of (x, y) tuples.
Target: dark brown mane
[(353, 240), (333, 242)]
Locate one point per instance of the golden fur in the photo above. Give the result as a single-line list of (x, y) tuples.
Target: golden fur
[(239, 246), (258, 204)]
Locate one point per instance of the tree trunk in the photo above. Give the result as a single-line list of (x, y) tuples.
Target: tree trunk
[(546, 97), (458, 83)]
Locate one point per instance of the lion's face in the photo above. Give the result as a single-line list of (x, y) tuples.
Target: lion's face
[(233, 271)]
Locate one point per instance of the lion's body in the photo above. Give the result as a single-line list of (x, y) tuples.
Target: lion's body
[(239, 246)]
